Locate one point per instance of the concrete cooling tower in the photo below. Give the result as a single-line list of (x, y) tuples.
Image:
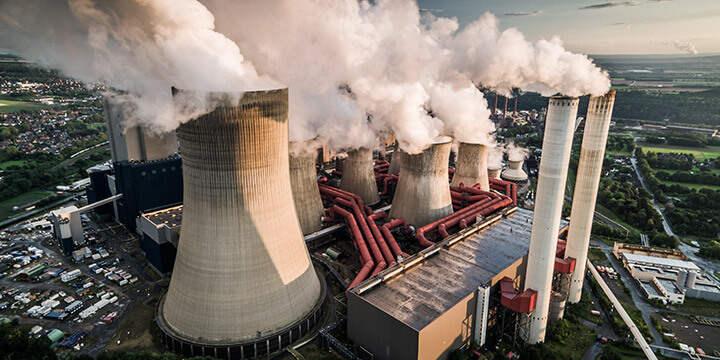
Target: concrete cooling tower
[(395, 161), (422, 194), (494, 172), (303, 179), (243, 284), (592, 153), (515, 171), (554, 164), (471, 166), (359, 176)]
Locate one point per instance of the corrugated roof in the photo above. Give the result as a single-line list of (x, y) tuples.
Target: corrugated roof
[(644, 259), (425, 292)]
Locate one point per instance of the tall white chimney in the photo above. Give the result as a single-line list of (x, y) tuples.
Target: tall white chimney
[(422, 194), (471, 166), (592, 153), (557, 143)]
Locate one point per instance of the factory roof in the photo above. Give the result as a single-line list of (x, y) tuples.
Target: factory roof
[(426, 291), (658, 261), (171, 216)]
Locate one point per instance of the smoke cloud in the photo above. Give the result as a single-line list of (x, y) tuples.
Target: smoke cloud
[(684, 46), (516, 153), (357, 70)]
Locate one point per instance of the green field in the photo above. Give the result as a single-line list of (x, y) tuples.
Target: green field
[(690, 185), (710, 152), (9, 106), (6, 164), (96, 125), (6, 207)]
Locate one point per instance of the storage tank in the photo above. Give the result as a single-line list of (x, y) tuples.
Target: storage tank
[(422, 194), (557, 142), (359, 176), (243, 278), (303, 179), (681, 277), (471, 166), (592, 154), (494, 172), (515, 171), (557, 307), (691, 278)]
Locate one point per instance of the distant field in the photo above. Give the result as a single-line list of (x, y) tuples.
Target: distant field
[(96, 125), (6, 164), (22, 200), (9, 106), (691, 186), (694, 170), (699, 153)]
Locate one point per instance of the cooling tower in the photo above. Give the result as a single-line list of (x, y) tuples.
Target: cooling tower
[(592, 153), (359, 176), (471, 166), (515, 171), (554, 163), (494, 172), (422, 194), (395, 161), (243, 284), (303, 179)]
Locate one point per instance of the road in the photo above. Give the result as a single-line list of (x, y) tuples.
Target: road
[(666, 225)]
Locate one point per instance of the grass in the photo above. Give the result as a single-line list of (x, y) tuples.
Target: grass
[(10, 106), (6, 207), (583, 337), (313, 351), (697, 306), (7, 164), (582, 310), (614, 217), (597, 256), (699, 153), (142, 332), (96, 126), (691, 185)]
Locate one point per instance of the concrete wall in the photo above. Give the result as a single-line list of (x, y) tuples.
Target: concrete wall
[(695, 293), (385, 337), (449, 331)]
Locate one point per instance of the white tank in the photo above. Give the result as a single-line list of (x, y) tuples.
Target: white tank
[(515, 171), (359, 175), (303, 179), (471, 166), (691, 279), (552, 176), (242, 270), (422, 194), (592, 153)]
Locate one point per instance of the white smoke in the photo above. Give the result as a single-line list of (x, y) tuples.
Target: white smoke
[(516, 153), (684, 46), (495, 156), (355, 70), (140, 47)]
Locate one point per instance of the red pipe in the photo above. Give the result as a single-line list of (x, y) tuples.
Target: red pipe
[(346, 195), (355, 230), (510, 188), (361, 219), (336, 173), (385, 179), (389, 236), (389, 258), (442, 227)]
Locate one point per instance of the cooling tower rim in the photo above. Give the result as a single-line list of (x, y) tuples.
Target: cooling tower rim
[(316, 313), (474, 143), (563, 97), (442, 140), (176, 91), (495, 167)]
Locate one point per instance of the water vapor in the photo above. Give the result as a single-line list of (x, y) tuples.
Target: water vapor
[(357, 71), (684, 46)]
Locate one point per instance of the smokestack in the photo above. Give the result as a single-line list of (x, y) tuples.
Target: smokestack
[(515, 171), (515, 109), (359, 176), (495, 106), (592, 153), (554, 163), (395, 161), (505, 111), (494, 172), (422, 194), (242, 273), (471, 167), (303, 179)]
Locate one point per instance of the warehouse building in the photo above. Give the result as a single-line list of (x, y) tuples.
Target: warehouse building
[(160, 234)]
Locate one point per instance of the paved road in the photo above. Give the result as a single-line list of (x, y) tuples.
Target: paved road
[(665, 223)]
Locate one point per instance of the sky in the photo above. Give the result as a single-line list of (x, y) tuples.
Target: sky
[(602, 26)]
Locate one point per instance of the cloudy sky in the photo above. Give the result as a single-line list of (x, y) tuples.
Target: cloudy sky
[(601, 26)]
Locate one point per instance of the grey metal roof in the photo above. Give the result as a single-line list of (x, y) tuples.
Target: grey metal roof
[(428, 290), (171, 217)]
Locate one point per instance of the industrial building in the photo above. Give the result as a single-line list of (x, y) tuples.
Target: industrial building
[(160, 234), (666, 275)]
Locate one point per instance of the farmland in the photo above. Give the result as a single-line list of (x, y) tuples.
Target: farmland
[(9, 106)]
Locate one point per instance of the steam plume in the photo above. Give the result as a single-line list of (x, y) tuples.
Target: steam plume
[(516, 153), (356, 69), (684, 46)]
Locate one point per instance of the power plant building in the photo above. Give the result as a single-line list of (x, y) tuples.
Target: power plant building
[(160, 235), (446, 295)]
